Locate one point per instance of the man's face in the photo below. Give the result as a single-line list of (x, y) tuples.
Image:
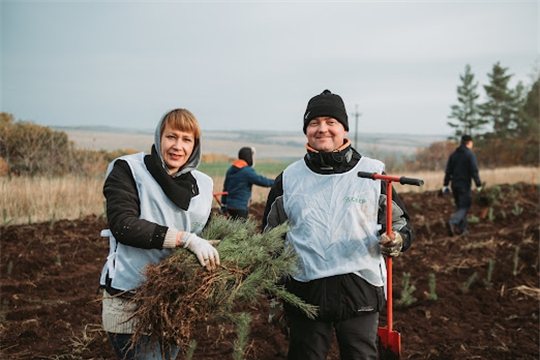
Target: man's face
[(325, 134)]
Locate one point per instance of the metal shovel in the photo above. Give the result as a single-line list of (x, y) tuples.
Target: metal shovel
[(389, 339)]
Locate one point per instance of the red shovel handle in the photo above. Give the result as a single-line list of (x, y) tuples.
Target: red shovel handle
[(390, 338), (400, 179), (219, 194)]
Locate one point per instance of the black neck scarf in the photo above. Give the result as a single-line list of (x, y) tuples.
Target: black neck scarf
[(335, 162), (179, 189)]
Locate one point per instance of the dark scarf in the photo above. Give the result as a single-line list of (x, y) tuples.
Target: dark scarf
[(179, 189), (335, 162)]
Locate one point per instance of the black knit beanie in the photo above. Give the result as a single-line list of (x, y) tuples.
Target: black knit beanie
[(326, 104), (246, 154)]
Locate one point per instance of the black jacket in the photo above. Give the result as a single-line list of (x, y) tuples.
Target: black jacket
[(342, 296), (461, 168)]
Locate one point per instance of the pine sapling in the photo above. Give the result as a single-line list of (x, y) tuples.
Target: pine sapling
[(516, 260), (432, 287), (242, 325), (407, 298), (517, 210), (178, 292), (191, 349), (4, 310), (491, 216), (491, 266), (473, 219), (467, 284)]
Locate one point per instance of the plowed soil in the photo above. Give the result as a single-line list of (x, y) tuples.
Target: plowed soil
[(482, 301)]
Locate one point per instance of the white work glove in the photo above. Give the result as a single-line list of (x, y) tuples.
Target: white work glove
[(478, 188), (207, 255), (391, 244)]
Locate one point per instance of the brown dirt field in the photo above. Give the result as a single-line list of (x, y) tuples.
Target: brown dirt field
[(50, 308)]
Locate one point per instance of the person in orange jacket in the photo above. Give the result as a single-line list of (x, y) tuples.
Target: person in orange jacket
[(239, 182)]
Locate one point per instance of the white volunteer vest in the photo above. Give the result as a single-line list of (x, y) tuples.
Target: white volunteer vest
[(125, 264), (333, 219)]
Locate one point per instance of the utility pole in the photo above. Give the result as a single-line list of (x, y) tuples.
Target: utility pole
[(356, 116)]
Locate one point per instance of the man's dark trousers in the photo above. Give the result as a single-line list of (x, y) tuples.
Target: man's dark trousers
[(463, 199)]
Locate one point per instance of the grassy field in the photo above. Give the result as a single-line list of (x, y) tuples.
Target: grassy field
[(30, 200), (266, 168)]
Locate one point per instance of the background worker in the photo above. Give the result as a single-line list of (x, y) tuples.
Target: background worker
[(337, 229), (460, 169), (155, 203), (238, 184)]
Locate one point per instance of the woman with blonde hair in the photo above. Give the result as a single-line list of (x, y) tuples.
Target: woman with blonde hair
[(156, 203)]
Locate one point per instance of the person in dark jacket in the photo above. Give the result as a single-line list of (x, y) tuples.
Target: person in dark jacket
[(460, 169), (337, 229), (155, 203), (238, 184)]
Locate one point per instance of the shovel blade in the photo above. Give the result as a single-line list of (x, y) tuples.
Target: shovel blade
[(389, 344)]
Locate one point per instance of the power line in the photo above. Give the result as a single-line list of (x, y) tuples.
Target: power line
[(356, 116)]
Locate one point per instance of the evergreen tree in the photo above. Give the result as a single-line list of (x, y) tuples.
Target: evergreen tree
[(501, 109), (466, 112), (530, 112)]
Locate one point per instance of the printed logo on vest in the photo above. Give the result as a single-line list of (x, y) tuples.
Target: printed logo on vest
[(349, 199), (196, 226)]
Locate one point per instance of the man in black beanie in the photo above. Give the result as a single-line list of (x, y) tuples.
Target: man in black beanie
[(326, 104), (338, 230)]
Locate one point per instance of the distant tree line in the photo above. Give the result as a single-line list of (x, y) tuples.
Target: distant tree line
[(27, 149), (505, 128), (31, 150)]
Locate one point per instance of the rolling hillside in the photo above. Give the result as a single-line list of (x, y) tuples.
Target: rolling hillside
[(269, 144)]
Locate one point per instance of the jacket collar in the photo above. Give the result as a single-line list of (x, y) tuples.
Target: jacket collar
[(340, 160)]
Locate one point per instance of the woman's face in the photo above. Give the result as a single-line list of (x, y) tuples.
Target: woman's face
[(325, 134), (176, 148)]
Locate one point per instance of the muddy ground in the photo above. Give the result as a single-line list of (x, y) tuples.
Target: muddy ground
[(486, 288)]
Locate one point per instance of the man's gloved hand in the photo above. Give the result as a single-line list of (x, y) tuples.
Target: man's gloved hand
[(207, 255), (277, 316), (478, 188), (445, 190), (391, 244)]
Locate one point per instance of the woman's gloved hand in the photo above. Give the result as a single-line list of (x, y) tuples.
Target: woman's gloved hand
[(391, 244), (207, 255)]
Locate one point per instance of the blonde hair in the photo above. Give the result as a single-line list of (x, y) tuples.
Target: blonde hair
[(183, 120)]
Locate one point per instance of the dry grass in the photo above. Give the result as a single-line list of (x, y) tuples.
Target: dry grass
[(30, 200)]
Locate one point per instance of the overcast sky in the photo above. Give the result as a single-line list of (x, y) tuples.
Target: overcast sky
[(254, 65)]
